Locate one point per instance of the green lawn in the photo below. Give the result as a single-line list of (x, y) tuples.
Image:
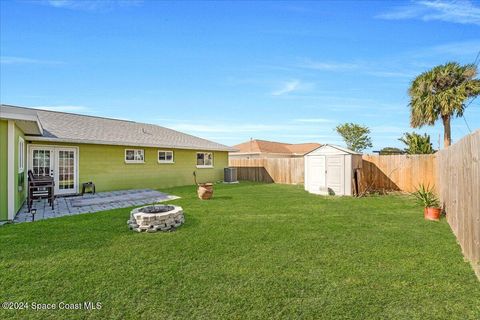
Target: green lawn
[(254, 251)]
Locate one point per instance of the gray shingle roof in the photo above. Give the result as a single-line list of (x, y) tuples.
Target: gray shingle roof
[(76, 128)]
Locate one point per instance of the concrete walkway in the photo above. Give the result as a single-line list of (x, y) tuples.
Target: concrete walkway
[(88, 203)]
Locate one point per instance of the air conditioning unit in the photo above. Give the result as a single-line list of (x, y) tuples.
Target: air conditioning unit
[(230, 175)]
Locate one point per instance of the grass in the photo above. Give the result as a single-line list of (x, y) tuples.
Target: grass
[(254, 251)]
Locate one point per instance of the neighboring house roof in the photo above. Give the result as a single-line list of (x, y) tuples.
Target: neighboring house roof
[(336, 147), (262, 146), (76, 128)]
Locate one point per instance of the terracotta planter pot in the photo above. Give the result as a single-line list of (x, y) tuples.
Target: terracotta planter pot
[(432, 213), (205, 191)]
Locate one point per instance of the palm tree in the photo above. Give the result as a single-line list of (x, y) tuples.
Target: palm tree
[(441, 93), (417, 144)]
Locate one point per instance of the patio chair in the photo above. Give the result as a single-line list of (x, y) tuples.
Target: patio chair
[(40, 187)]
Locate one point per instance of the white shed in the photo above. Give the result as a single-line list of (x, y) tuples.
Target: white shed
[(330, 169)]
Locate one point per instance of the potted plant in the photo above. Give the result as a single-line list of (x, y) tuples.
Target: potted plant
[(427, 198), (204, 190)]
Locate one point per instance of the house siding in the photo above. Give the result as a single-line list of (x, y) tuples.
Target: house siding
[(105, 166), (20, 193), (3, 170)]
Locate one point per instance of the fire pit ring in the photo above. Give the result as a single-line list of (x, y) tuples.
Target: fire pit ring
[(153, 218)]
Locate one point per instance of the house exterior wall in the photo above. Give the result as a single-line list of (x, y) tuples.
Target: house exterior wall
[(105, 166), (20, 190), (3, 170)]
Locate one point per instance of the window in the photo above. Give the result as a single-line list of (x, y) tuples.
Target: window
[(204, 160), (21, 155), (165, 156), (134, 156)]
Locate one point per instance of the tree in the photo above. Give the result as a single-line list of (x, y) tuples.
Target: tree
[(441, 93), (355, 136), (417, 144)]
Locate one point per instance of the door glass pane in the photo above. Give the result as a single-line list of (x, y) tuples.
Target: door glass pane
[(41, 162), (66, 177)]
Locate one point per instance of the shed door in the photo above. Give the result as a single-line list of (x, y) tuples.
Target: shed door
[(335, 174), (316, 174)]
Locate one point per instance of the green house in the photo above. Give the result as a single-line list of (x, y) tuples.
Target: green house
[(113, 154)]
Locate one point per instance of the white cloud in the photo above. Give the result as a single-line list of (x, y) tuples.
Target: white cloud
[(288, 87), (64, 108), (368, 68), (314, 120), (464, 48), (294, 132), (22, 60), (234, 128), (391, 74), (463, 11), (89, 5), (327, 66)]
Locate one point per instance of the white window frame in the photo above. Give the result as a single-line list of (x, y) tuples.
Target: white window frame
[(21, 155), (203, 166), (165, 161), (134, 155)]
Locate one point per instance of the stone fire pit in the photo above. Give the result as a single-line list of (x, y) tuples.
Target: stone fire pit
[(155, 218)]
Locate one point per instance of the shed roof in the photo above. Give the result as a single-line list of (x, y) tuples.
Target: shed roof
[(345, 150)]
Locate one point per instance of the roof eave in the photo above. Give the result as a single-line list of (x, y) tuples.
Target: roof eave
[(126, 143), (24, 117), (335, 147)]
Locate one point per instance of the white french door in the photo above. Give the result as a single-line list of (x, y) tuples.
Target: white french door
[(58, 162)]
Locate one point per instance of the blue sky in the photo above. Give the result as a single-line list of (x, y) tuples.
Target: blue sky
[(229, 71)]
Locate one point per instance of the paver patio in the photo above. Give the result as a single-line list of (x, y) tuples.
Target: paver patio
[(90, 203)]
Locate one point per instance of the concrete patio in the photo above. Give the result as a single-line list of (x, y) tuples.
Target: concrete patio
[(89, 203)]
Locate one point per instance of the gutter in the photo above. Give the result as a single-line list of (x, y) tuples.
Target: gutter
[(125, 144)]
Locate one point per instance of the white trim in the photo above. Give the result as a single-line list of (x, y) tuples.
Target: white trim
[(165, 161), (31, 147), (11, 170), (54, 149), (21, 155), (56, 171), (18, 116), (23, 117), (335, 147), (134, 151), (122, 143), (204, 166)]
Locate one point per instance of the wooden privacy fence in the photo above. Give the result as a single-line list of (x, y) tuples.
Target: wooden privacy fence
[(279, 170), (397, 172), (459, 191)]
